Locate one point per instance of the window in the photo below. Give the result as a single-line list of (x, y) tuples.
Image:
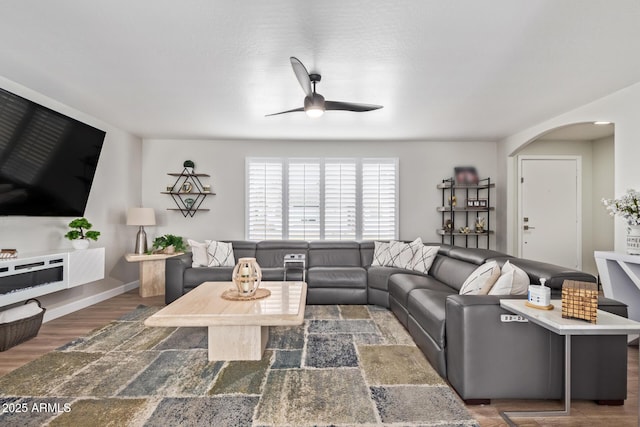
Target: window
[(322, 199)]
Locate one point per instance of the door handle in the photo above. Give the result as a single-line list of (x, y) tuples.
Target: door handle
[(528, 227)]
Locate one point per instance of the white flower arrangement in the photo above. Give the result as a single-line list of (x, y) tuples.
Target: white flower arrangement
[(626, 207)]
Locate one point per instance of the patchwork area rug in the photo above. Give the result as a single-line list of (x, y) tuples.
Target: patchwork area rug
[(346, 366)]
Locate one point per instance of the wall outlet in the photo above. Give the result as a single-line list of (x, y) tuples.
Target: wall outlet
[(504, 318)]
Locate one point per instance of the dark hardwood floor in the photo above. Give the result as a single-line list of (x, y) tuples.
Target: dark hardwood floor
[(583, 413)]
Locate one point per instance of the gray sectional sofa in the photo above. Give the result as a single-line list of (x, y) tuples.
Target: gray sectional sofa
[(462, 336)]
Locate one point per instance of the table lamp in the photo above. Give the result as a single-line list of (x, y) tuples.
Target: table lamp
[(141, 217)]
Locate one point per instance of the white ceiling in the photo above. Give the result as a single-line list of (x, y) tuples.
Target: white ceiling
[(446, 70)]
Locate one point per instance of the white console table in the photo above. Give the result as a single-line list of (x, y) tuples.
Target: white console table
[(620, 278), (607, 324), (73, 268)]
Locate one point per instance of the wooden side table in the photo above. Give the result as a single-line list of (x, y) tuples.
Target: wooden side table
[(151, 272), (607, 324)]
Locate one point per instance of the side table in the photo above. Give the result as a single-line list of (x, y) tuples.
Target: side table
[(294, 262), (151, 272), (607, 324)]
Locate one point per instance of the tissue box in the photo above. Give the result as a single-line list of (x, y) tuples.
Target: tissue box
[(580, 300)]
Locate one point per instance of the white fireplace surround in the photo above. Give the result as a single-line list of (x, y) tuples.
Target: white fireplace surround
[(78, 268)]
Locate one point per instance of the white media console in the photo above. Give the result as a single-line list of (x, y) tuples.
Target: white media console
[(36, 274)]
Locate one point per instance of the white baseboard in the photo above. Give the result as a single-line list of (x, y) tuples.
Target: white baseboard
[(63, 310)]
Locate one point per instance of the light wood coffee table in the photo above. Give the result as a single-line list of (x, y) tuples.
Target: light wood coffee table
[(238, 330)]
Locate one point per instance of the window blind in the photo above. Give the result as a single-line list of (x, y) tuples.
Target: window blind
[(264, 199), (304, 200), (322, 199)]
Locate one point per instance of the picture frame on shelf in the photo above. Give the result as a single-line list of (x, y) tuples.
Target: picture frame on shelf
[(471, 202), (483, 203), (466, 175)]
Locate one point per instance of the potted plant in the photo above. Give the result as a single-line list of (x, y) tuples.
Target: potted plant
[(168, 244), (81, 233)]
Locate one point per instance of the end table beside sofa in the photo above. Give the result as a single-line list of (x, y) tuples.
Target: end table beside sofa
[(462, 336)]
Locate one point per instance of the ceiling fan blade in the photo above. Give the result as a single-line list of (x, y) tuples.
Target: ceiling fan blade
[(288, 111), (302, 75), (349, 106)]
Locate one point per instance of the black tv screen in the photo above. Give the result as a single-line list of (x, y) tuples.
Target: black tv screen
[(47, 160)]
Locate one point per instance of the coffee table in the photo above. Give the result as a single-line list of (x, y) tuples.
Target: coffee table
[(238, 330)]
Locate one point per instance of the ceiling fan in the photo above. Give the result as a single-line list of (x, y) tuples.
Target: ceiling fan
[(314, 103)]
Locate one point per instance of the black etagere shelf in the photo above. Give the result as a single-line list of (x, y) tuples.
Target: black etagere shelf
[(188, 192), (458, 211)]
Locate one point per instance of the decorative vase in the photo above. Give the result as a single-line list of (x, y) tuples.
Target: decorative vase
[(633, 239), (247, 276), (80, 243), (169, 250)]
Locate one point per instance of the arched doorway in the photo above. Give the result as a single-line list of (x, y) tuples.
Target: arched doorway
[(549, 158)]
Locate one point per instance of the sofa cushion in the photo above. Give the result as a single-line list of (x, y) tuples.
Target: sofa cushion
[(366, 253), (400, 285), (199, 253), (381, 254), (428, 308), (220, 254), (195, 276), (270, 253), (274, 274), (474, 255), (481, 280), (423, 258), (450, 271), (378, 277), (330, 253), (512, 281), (243, 248), (555, 274), (337, 277), (402, 254)]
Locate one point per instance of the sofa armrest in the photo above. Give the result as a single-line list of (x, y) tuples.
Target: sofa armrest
[(174, 276), (488, 358)]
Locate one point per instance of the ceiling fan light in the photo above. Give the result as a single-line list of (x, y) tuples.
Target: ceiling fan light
[(314, 105), (314, 111)]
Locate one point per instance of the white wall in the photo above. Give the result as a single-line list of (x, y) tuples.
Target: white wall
[(116, 186), (603, 187), (422, 166), (621, 108)]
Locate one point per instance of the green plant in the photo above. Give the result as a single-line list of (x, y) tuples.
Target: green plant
[(81, 229), (167, 240)]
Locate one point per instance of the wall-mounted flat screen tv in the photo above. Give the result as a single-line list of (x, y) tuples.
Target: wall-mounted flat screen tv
[(47, 160)]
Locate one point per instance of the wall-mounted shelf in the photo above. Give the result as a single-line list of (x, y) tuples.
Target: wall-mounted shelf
[(460, 215), (188, 192)]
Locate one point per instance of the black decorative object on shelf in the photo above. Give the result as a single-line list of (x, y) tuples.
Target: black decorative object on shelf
[(188, 192), (459, 200)]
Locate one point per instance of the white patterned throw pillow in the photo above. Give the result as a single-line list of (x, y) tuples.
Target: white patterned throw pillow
[(481, 280), (200, 258), (402, 254), (423, 258), (381, 256), (220, 254), (512, 281)]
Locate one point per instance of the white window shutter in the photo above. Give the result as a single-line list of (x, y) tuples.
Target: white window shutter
[(379, 199), (304, 200), (312, 199), (340, 215), (264, 199)]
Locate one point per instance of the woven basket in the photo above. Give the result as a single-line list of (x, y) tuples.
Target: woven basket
[(580, 300), (21, 330)]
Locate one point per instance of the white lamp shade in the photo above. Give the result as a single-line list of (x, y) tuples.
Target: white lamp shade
[(141, 216)]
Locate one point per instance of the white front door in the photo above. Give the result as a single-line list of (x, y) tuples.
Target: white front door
[(549, 218)]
